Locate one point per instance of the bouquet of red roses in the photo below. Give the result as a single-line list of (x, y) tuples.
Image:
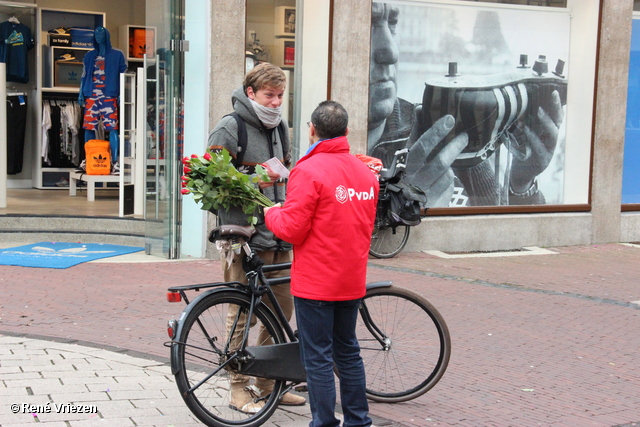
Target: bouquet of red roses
[(216, 184)]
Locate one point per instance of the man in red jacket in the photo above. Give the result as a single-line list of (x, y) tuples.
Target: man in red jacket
[(328, 217)]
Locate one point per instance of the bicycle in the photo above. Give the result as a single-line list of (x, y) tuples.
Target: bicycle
[(405, 342), (391, 231)]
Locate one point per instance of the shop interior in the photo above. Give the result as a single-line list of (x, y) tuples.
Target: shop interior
[(45, 146), (45, 139), (270, 37)]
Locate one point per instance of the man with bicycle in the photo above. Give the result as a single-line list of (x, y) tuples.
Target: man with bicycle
[(258, 103), (329, 216)]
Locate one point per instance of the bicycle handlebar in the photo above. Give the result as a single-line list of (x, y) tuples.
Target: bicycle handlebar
[(276, 267)]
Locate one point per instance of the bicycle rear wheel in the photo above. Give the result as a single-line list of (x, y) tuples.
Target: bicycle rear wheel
[(404, 343), (204, 345), (386, 241)]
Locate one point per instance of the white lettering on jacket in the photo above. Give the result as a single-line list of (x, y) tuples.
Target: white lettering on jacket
[(343, 194)]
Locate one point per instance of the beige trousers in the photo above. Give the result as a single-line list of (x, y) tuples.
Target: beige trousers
[(234, 272)]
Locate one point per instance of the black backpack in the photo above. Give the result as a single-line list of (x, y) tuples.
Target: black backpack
[(243, 140)]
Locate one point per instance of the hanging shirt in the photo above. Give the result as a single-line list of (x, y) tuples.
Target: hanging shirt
[(73, 112), (15, 42), (46, 125)]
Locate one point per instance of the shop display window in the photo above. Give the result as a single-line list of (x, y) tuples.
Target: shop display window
[(631, 163), (500, 71), (547, 3), (270, 37)]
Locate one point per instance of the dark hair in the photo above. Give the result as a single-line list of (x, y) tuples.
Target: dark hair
[(330, 120)]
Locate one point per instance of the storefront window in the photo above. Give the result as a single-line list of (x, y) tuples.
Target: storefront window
[(548, 3), (270, 37), (630, 170), (488, 87)]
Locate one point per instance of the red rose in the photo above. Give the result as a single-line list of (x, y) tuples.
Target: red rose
[(184, 184), (185, 160), (185, 191), (187, 169), (207, 156), (194, 156), (185, 178)]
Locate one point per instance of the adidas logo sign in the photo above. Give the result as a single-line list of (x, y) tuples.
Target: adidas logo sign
[(100, 162)]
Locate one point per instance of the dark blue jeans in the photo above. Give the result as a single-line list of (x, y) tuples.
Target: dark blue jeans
[(326, 330)]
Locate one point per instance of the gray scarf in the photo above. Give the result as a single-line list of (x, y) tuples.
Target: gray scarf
[(270, 117)]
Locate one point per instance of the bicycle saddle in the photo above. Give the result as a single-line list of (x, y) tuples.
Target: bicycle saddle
[(229, 231), (395, 170)]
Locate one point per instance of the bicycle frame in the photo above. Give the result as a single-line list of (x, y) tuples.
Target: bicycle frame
[(258, 360), (210, 343), (278, 361), (379, 335)]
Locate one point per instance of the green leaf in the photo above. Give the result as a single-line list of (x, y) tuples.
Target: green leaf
[(219, 184)]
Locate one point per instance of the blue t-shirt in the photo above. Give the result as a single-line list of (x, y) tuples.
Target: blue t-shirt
[(15, 42)]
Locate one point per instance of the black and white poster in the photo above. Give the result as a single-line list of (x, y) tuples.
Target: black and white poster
[(477, 93)]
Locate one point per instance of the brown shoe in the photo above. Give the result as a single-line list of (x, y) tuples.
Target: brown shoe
[(288, 399), (244, 398)]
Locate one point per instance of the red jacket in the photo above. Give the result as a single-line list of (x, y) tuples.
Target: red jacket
[(328, 216)]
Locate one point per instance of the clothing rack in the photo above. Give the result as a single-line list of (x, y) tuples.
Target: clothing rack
[(61, 130)]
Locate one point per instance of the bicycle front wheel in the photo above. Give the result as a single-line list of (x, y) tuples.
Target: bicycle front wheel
[(212, 332), (387, 242), (404, 343)]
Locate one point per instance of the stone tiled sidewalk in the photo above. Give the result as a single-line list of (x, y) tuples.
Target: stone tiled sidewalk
[(106, 387), (544, 340)]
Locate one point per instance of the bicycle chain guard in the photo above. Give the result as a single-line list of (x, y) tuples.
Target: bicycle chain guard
[(277, 362)]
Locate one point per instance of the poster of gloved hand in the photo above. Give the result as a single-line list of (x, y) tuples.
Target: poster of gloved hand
[(477, 93)]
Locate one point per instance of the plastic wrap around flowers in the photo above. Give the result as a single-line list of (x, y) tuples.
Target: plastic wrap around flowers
[(216, 184)]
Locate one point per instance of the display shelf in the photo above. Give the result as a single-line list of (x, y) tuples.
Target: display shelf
[(137, 40), (63, 74), (48, 19), (284, 54), (55, 178)]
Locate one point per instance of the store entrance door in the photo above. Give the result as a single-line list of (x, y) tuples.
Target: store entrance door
[(165, 95)]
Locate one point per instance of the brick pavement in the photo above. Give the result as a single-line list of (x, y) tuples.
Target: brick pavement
[(545, 340)]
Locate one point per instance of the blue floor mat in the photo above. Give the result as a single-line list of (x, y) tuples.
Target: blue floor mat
[(60, 254)]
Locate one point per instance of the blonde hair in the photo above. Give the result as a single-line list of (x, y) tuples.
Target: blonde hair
[(265, 75)]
